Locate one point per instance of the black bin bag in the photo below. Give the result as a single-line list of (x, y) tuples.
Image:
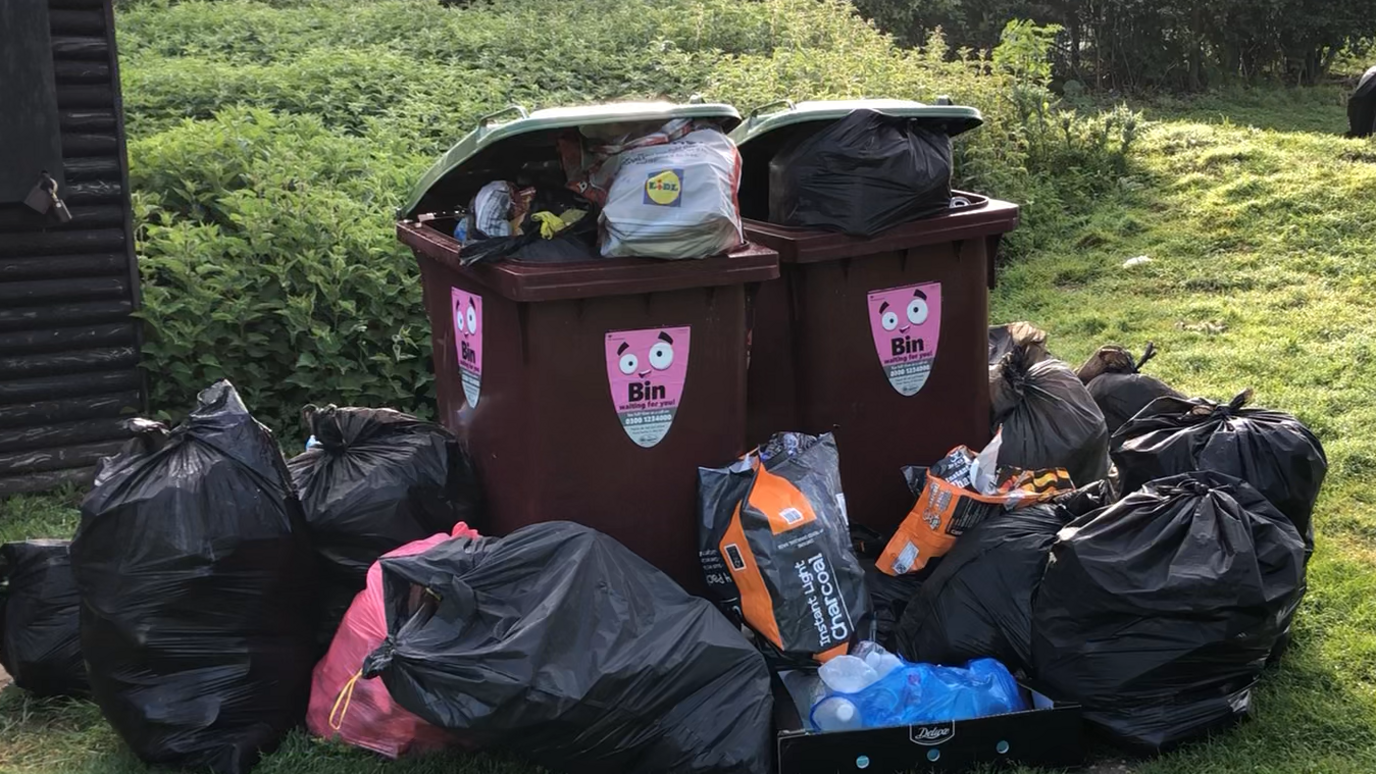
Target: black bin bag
[(197, 591), (1048, 418), (559, 644), (978, 602), (1118, 386), (378, 479), (889, 595), (1271, 450), (1159, 613), (40, 636), (862, 175), (1361, 107)]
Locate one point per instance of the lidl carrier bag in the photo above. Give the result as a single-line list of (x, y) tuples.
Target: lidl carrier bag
[(674, 200), (776, 548)]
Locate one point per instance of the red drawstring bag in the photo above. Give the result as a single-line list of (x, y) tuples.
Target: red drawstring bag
[(362, 712)]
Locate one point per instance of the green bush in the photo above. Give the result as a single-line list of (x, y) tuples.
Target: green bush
[(272, 141)]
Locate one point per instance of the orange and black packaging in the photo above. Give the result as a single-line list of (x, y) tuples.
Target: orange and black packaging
[(776, 550)]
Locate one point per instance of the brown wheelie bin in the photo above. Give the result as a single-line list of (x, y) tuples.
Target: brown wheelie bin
[(881, 339), (590, 390)]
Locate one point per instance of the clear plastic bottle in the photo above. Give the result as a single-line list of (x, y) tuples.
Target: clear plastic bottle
[(836, 714), (847, 674)]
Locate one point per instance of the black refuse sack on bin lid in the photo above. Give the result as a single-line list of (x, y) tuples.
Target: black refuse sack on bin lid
[(377, 480), (1117, 384), (978, 601), (197, 590), (862, 175), (1158, 613), (40, 636), (776, 550), (559, 644), (1271, 450), (1048, 418)]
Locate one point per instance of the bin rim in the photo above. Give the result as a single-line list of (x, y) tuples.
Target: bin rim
[(773, 116), (491, 130)]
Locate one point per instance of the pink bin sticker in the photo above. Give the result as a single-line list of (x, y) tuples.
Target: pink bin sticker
[(906, 323), (468, 341), (646, 370)]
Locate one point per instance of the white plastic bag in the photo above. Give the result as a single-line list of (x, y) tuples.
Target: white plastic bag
[(675, 200)]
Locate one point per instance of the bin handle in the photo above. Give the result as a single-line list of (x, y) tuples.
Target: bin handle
[(516, 109), (765, 108)]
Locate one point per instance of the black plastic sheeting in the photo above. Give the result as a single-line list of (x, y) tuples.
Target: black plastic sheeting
[(978, 602), (1270, 450), (378, 479), (1361, 107), (40, 637), (862, 175), (197, 590), (889, 595), (1048, 418), (1159, 613), (561, 645)]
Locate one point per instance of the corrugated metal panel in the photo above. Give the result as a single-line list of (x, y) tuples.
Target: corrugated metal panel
[(69, 349)]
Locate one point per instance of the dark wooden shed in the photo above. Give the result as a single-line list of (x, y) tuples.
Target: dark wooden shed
[(69, 349)]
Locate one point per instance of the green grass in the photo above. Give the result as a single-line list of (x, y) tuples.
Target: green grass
[(1259, 219)]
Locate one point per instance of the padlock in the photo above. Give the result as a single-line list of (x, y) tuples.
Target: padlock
[(40, 199)]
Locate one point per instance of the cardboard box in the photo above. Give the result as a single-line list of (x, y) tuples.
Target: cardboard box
[(1049, 735)]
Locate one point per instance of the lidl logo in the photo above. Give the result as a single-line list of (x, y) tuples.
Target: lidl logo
[(664, 188)]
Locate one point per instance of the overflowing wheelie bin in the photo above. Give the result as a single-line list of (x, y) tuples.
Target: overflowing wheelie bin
[(589, 388), (877, 327)]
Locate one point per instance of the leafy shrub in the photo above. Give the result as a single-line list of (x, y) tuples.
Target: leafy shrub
[(272, 141)]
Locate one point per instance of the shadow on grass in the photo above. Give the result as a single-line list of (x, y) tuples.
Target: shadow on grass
[(1320, 109)]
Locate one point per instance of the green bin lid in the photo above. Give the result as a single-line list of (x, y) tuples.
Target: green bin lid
[(774, 116), (509, 137)]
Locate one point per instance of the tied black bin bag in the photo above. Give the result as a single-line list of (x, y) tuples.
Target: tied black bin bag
[(1118, 386), (559, 644), (1271, 450), (1048, 418), (861, 175), (978, 602), (378, 479), (1158, 613), (197, 591), (40, 638)]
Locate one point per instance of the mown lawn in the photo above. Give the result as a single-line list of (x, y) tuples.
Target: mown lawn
[(1258, 219)]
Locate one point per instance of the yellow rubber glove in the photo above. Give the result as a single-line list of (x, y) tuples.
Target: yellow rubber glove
[(551, 224)]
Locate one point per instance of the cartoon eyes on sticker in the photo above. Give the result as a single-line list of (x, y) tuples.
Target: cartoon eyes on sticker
[(629, 364), (889, 320), (661, 355), (472, 320), (917, 311)]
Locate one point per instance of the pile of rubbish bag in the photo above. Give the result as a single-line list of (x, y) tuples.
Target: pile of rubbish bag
[(209, 575), (200, 581), (667, 192)]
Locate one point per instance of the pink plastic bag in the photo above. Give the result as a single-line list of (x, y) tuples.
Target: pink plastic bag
[(365, 715)]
